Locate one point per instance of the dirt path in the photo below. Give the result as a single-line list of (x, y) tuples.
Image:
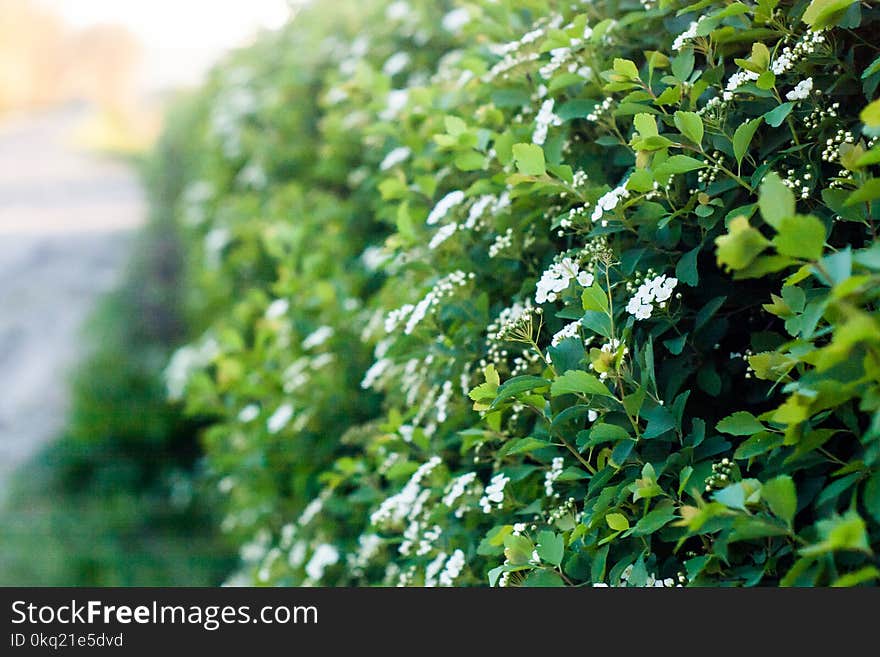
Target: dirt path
[(65, 221)]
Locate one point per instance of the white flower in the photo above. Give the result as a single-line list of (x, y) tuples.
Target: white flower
[(656, 290), (444, 205), (552, 475), (568, 331), (609, 201), (801, 91), (324, 555), (555, 279), (280, 418), (433, 568), (737, 80), (185, 362), (456, 19), (397, 99), (543, 121), (494, 493), (312, 509), (397, 11), (443, 234), (408, 502), (396, 63), (318, 337), (457, 488), (249, 413), (395, 157), (453, 568), (687, 35), (277, 308), (585, 279)]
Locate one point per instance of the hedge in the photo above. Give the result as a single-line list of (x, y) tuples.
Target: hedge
[(542, 293)]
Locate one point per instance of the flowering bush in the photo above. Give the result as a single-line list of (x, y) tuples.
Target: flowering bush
[(543, 293)]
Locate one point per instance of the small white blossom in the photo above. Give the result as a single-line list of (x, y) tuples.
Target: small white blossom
[(494, 493), (801, 91), (444, 205), (395, 157), (279, 419), (324, 555), (442, 234)]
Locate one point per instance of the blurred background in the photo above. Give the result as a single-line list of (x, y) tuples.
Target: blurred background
[(97, 472)]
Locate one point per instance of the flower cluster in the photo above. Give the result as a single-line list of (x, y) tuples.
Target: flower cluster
[(655, 290)]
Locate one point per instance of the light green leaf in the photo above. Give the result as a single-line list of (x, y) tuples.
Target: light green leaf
[(781, 497), (869, 191), (741, 423), (578, 381), (529, 159), (626, 68), (679, 164), (776, 201), (800, 236), (690, 125), (595, 298), (742, 138), (741, 245), (824, 13), (617, 521)]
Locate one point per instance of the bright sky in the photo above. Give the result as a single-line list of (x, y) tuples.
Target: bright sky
[(181, 37)]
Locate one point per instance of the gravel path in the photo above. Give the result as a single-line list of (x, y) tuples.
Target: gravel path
[(65, 221)]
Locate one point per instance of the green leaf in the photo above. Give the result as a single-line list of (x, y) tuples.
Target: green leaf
[(454, 125), (682, 65), (626, 68), (871, 114), (522, 446), (595, 298), (801, 236), (846, 532), (766, 80), (776, 201), (678, 164), (733, 497), (686, 269), (736, 496), (578, 381), (470, 161), (676, 345), (741, 245), (825, 13), (645, 124), (660, 420), (543, 578), (617, 521), (551, 547), (655, 520), (869, 191), (781, 497), (518, 385), (742, 138), (741, 423), (760, 443), (872, 495), (777, 115), (860, 576), (529, 159), (690, 125)]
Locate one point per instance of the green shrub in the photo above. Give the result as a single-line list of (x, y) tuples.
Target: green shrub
[(616, 263)]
